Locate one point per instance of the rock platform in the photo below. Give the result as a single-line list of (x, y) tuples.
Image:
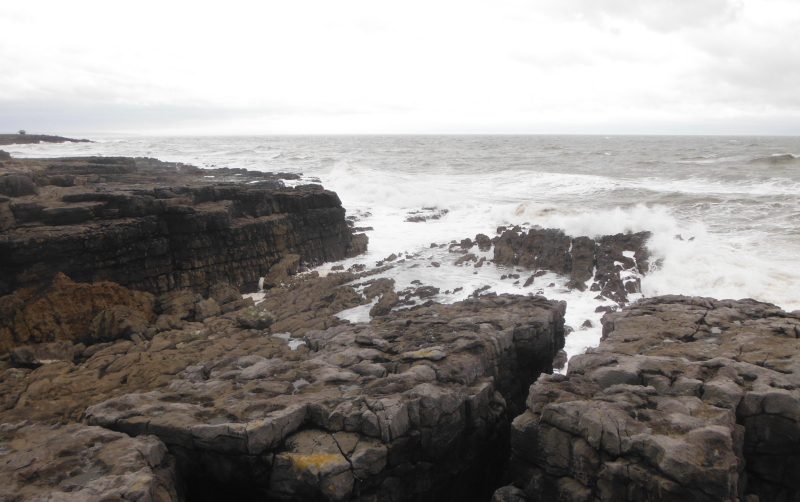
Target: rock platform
[(24, 139), (686, 398), (408, 407)]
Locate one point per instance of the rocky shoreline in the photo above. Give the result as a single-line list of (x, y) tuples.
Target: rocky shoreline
[(133, 368), (685, 398), (26, 139)]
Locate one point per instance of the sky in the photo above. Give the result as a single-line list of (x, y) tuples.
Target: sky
[(353, 67)]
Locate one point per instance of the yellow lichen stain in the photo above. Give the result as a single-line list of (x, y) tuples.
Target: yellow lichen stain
[(422, 353), (319, 460)]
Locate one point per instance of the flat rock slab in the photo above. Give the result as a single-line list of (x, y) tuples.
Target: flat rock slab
[(685, 399), (76, 463)]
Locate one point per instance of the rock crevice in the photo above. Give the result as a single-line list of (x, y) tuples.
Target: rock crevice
[(685, 399)]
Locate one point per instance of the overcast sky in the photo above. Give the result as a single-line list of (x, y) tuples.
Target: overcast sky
[(537, 66)]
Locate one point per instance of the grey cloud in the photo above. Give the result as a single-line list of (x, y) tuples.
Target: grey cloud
[(760, 68), (98, 117)]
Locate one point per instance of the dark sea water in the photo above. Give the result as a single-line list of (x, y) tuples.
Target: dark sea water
[(738, 197)]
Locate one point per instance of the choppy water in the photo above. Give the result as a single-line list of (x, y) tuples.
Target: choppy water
[(739, 197)]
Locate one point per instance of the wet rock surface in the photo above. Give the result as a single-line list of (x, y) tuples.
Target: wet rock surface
[(686, 398), (158, 226), (615, 263)]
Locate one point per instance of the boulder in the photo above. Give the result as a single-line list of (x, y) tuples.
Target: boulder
[(79, 463), (119, 321), (43, 353), (256, 317), (67, 215), (179, 303), (17, 185), (224, 293), (483, 241), (205, 309), (282, 270)]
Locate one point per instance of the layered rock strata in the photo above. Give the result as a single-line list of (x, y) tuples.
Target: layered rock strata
[(615, 263), (686, 398), (159, 227)]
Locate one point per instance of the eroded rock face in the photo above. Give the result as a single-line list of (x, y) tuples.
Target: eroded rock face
[(396, 409), (413, 406), (685, 399), (107, 219), (614, 262), (70, 311), (76, 463)]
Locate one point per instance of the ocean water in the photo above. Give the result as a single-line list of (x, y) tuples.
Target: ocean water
[(737, 197)]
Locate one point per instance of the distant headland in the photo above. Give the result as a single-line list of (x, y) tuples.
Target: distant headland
[(23, 138)]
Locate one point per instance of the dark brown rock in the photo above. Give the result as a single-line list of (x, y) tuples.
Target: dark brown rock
[(17, 185), (578, 257), (7, 219), (466, 258), (23, 139), (385, 304), (483, 242), (205, 309), (42, 353), (224, 293), (192, 229), (66, 310)]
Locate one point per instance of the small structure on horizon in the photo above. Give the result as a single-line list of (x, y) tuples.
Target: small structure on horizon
[(22, 132)]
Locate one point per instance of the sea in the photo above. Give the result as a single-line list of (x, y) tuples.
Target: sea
[(724, 212)]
